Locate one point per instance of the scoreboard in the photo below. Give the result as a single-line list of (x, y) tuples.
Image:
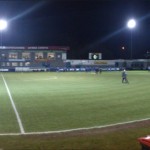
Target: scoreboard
[(95, 56)]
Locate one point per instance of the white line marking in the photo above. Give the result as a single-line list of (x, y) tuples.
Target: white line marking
[(77, 129), (14, 107), (88, 128)]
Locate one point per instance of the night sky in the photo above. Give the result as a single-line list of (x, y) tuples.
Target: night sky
[(84, 25)]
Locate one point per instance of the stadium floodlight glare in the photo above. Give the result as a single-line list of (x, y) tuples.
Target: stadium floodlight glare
[(3, 24), (131, 24)]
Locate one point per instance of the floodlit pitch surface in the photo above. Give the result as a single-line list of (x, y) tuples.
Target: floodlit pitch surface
[(55, 101)]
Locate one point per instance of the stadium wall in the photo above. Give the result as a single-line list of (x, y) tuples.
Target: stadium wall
[(134, 64), (54, 58)]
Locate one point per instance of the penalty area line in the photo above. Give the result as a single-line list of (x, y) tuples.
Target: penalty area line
[(14, 107), (76, 129)]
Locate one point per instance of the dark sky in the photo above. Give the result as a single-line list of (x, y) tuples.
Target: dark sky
[(84, 25)]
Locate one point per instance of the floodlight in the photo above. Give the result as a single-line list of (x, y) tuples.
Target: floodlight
[(131, 23), (3, 24)]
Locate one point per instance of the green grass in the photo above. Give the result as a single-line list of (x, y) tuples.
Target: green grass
[(8, 121), (59, 101)]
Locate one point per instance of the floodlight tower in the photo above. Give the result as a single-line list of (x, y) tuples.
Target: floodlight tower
[(3, 26), (131, 24)]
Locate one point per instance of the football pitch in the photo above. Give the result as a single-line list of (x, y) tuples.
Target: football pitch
[(43, 102)]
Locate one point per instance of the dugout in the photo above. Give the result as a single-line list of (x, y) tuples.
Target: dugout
[(32, 57)]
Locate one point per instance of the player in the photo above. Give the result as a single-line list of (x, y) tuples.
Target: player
[(124, 76)]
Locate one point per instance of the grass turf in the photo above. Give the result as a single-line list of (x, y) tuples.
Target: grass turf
[(58, 101), (115, 140)]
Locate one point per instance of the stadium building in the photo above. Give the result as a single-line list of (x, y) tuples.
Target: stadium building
[(54, 58), (21, 58)]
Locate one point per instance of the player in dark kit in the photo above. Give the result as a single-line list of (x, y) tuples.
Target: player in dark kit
[(124, 76)]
